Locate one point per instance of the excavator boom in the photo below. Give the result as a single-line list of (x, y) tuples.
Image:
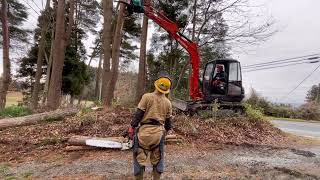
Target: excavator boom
[(186, 43), (173, 30)]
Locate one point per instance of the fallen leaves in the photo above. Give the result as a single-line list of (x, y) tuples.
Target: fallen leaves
[(32, 141)]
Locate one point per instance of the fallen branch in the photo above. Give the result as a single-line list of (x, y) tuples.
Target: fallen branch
[(37, 118)]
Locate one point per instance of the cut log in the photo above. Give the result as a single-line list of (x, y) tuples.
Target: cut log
[(81, 140), (79, 148), (173, 141), (112, 142), (173, 136), (37, 118)]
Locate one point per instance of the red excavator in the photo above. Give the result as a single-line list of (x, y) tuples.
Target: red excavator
[(222, 78)]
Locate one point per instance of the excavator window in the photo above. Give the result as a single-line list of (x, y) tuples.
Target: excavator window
[(234, 72), (137, 6), (219, 80), (208, 72), (137, 3), (219, 73)]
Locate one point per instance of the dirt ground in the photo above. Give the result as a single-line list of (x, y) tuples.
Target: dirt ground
[(184, 161), (230, 149)]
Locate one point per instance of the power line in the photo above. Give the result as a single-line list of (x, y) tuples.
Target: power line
[(36, 5), (287, 62), (273, 67), (303, 81), (282, 60), (31, 7)]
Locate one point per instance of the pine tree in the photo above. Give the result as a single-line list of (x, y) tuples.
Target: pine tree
[(13, 14), (6, 62), (75, 74), (17, 15)]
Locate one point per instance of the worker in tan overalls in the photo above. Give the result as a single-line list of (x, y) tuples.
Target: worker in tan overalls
[(148, 128)]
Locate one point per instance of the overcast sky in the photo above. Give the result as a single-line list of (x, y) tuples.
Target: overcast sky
[(299, 25), (299, 35)]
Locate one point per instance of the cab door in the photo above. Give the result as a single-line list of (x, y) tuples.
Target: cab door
[(207, 78), (234, 80)]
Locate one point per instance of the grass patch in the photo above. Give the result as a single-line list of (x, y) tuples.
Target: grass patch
[(4, 169), (5, 172), (10, 178), (15, 111), (51, 141), (51, 119), (27, 175), (253, 114)]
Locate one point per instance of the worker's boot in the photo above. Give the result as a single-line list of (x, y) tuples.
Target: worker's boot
[(156, 175)]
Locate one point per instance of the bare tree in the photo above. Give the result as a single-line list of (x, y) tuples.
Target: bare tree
[(232, 23), (6, 61), (41, 54), (224, 24), (60, 43), (115, 57), (107, 37)]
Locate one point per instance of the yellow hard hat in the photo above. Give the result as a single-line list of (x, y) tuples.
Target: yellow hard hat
[(163, 85)]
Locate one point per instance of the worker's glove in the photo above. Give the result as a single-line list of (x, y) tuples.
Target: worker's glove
[(131, 133)]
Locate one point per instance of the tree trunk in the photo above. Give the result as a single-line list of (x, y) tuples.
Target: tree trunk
[(6, 62), (58, 59), (54, 94), (141, 85), (98, 79), (106, 42), (37, 118), (41, 51), (70, 22), (183, 71), (71, 100), (48, 74), (115, 57)]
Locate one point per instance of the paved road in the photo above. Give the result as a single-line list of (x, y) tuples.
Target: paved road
[(299, 128)]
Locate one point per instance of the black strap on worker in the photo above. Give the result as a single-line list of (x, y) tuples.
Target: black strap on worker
[(151, 122)]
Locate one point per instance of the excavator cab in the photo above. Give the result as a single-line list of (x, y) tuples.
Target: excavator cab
[(135, 6), (222, 80)]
